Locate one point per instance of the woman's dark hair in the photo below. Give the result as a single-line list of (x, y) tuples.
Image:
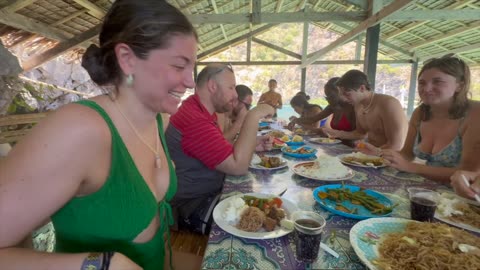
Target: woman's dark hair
[(243, 91), (331, 84), (302, 93), (301, 101), (143, 25), (352, 80), (457, 68)]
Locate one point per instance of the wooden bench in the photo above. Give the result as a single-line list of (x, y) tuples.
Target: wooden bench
[(14, 127), (188, 242)]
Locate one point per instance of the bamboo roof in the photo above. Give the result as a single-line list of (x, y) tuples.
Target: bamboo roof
[(409, 30)]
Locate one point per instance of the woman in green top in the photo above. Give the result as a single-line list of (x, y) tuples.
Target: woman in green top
[(100, 168)]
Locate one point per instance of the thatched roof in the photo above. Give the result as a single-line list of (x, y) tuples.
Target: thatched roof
[(410, 30)]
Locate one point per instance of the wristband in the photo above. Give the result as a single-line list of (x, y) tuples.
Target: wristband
[(92, 262)]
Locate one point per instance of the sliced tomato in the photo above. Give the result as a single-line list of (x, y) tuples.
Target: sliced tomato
[(277, 201)]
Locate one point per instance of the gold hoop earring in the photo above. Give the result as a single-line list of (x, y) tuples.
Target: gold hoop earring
[(129, 80)]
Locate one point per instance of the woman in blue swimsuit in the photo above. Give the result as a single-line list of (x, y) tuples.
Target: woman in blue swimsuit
[(442, 130)]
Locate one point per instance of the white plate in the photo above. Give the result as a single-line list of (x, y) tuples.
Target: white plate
[(368, 251), (441, 217), (358, 164), (287, 205), (283, 164), (331, 179), (324, 141)]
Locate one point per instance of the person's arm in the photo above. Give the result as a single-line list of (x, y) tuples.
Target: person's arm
[(457, 180), (394, 124), (314, 118), (471, 140), (41, 174), (221, 121), (237, 163), (311, 113), (262, 98), (280, 103), (231, 133), (407, 149)]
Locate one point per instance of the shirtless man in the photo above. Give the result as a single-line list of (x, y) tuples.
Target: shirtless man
[(379, 118), (271, 97)]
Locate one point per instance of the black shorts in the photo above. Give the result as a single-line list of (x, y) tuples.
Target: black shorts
[(200, 221)]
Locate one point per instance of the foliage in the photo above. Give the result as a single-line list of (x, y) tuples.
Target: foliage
[(391, 79)]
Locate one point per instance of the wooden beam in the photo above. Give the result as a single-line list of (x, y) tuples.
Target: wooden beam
[(279, 5), (93, 9), (287, 17), (277, 48), (16, 119), (457, 50), (300, 5), (371, 21), (61, 48), (256, 11), (413, 25), (33, 26), (350, 16), (458, 31), (214, 5), (412, 88), (437, 15), (70, 17), (239, 39), (296, 63), (303, 75), (17, 5)]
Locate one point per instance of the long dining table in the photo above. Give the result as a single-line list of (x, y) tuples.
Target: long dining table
[(226, 251)]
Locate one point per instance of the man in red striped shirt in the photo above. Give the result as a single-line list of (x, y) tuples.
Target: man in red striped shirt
[(201, 153)]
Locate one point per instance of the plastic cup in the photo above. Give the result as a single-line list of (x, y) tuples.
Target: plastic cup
[(423, 203), (308, 234)]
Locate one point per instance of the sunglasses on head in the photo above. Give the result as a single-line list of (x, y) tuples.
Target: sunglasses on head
[(216, 70)]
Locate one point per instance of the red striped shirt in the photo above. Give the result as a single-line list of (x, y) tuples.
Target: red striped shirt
[(202, 138)]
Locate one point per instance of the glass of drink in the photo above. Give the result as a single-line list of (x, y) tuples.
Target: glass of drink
[(308, 234), (423, 203)]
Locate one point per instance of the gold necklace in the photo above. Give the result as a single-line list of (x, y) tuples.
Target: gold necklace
[(365, 110), (158, 162)]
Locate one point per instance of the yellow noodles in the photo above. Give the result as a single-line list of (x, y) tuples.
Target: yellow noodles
[(471, 215), (426, 246)]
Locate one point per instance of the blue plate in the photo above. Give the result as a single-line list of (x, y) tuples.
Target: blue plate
[(290, 143), (264, 124), (297, 155), (363, 213)]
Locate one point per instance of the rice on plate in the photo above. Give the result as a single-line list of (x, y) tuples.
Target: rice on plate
[(324, 167)]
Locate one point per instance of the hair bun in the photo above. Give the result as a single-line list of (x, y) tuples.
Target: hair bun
[(92, 62)]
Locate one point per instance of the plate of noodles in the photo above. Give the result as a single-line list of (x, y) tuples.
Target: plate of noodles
[(458, 212), (361, 160), (228, 215), (400, 244), (324, 141)]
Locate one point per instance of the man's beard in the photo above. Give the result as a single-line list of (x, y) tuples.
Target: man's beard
[(224, 109)]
